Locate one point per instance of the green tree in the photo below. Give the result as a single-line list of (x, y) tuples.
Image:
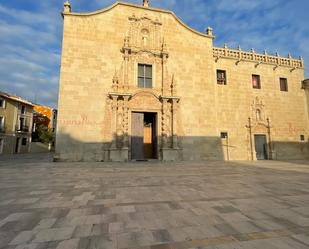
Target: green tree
[(45, 135)]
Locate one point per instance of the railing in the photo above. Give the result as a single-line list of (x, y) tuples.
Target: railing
[(23, 128), (240, 55)]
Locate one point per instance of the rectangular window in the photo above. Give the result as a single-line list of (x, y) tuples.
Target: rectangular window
[(302, 137), (283, 84), (144, 76), (256, 81), (2, 103), (224, 135), (23, 109), (24, 141), (221, 77), (21, 124)]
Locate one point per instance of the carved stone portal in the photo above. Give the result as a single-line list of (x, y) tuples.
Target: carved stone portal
[(259, 124), (144, 44)]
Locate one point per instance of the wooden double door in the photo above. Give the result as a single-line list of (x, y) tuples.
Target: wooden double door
[(144, 136)]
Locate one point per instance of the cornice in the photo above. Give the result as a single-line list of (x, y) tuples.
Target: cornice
[(64, 13)]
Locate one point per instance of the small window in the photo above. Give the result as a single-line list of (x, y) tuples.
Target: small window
[(24, 141), (283, 84), (256, 81), (2, 103), (21, 124), (144, 76), (224, 135), (1, 145), (23, 109), (1, 124), (302, 137), (221, 77)]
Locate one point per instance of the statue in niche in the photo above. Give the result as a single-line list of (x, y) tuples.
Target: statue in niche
[(145, 37), (258, 110), (258, 115)]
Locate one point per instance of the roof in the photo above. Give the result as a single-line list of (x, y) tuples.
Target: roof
[(15, 98)]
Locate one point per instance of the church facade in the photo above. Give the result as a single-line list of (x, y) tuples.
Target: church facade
[(136, 83)]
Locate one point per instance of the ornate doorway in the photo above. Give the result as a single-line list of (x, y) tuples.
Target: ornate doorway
[(147, 99)]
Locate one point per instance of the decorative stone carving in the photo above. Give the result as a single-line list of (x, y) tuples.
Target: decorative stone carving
[(146, 3), (209, 31), (144, 100), (173, 86), (143, 44), (165, 122), (66, 7), (145, 34), (259, 123), (115, 82), (258, 112)]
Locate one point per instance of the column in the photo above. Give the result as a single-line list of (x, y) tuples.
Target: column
[(174, 123), (120, 130), (114, 121), (165, 86), (164, 122), (126, 121), (126, 69)]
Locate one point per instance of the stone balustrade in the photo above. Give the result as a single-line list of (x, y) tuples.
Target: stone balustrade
[(240, 55)]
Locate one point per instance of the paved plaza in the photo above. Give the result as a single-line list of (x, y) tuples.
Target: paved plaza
[(153, 205)]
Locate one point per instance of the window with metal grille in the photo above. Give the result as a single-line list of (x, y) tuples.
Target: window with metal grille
[(283, 84), (144, 76), (221, 77)]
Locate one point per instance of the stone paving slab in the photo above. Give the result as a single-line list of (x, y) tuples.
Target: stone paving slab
[(153, 205)]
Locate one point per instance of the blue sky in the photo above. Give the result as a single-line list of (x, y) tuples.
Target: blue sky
[(30, 34)]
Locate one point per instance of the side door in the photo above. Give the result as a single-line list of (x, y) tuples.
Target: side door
[(260, 147)]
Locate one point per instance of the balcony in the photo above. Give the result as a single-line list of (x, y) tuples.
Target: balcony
[(2, 129), (23, 128)]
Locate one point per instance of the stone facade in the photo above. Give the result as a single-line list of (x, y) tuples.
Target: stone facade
[(16, 117), (196, 118)]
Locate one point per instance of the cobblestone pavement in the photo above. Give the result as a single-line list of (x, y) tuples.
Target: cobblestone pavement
[(153, 205)]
